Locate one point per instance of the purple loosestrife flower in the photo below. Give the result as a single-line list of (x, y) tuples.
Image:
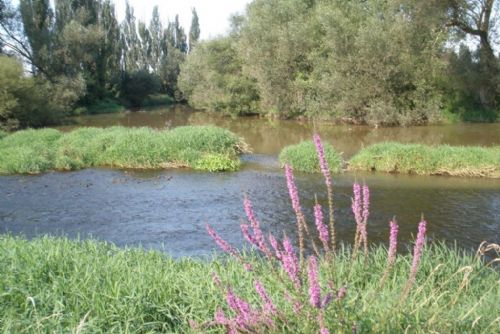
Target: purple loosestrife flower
[(246, 233), (417, 253), (274, 243), (356, 203), (258, 237), (314, 288), (341, 293), (292, 188), (220, 242), (417, 250), (326, 301), (323, 164), (290, 262), (321, 227), (366, 203), (269, 307), (393, 242)]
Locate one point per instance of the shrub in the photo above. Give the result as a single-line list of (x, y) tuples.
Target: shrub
[(303, 158)]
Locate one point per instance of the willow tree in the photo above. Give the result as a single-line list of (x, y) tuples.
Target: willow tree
[(479, 18)]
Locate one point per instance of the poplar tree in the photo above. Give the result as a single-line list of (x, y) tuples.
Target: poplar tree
[(194, 31)]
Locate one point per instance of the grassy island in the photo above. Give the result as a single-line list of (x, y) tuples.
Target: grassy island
[(199, 147), (58, 285), (303, 157), (429, 160)]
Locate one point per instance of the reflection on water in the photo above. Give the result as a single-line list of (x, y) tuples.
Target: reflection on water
[(168, 209), (270, 136)]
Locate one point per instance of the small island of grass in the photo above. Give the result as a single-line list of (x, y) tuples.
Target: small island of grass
[(303, 157), (206, 148), (429, 160)]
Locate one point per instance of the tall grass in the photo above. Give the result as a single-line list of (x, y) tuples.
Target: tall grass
[(303, 158), (199, 147), (429, 160), (56, 285)]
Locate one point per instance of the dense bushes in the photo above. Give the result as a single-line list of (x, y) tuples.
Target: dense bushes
[(199, 147), (33, 102)]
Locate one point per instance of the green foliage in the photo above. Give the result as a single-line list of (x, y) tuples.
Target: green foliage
[(194, 31), (136, 86), (199, 147), (304, 158), (3, 134), (212, 79), (59, 285), (33, 102), (428, 160)]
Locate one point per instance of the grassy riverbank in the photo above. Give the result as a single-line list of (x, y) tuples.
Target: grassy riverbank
[(429, 160), (198, 147), (58, 285), (303, 157)]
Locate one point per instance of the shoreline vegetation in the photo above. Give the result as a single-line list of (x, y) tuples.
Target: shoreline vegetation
[(101, 288), (393, 157), (205, 148)]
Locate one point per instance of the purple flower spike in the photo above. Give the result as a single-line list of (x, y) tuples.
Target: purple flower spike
[(322, 160), (321, 227), (314, 288), (341, 293), (220, 242), (366, 203), (290, 262), (356, 203), (268, 304), (393, 242), (292, 188), (417, 250), (258, 237)]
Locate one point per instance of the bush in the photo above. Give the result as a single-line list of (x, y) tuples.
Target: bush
[(303, 157), (33, 102), (428, 160)]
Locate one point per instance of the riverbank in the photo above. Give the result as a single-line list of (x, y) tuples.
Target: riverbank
[(58, 285), (206, 148)]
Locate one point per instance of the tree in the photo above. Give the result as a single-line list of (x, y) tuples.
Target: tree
[(180, 36), (194, 31), (156, 33), (138, 85), (476, 18), (130, 41), (212, 78)]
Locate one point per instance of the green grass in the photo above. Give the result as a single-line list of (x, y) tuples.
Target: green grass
[(303, 157), (199, 147), (53, 285), (3, 134), (429, 160)]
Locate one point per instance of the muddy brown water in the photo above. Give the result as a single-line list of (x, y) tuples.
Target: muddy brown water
[(168, 209)]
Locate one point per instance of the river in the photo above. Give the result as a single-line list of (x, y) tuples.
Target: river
[(168, 209)]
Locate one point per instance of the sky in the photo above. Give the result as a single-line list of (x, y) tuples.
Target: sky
[(213, 14)]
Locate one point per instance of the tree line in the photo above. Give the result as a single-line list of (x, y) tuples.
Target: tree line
[(79, 55), (378, 62)]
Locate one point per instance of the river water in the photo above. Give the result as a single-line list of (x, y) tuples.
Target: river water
[(168, 209)]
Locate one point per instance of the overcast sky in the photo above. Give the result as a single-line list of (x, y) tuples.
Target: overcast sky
[(213, 14)]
